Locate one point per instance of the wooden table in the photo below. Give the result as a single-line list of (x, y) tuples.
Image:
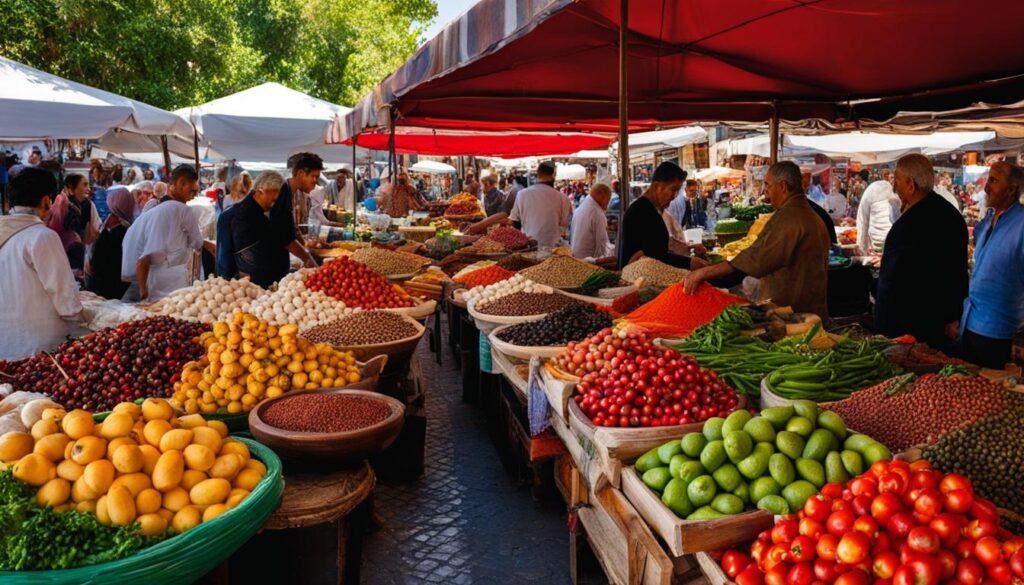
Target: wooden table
[(320, 522)]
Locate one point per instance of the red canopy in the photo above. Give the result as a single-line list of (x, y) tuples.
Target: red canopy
[(507, 145), (552, 64)]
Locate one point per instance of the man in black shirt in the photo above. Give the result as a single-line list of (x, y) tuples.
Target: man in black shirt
[(923, 278), (643, 229)]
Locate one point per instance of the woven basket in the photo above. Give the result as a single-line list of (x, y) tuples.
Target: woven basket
[(183, 558), (398, 348)]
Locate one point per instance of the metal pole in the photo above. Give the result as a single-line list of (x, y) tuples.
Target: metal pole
[(773, 131), (624, 192), (195, 145), (392, 161), (355, 186), (167, 154)]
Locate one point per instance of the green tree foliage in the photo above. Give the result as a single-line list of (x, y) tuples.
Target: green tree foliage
[(175, 53)]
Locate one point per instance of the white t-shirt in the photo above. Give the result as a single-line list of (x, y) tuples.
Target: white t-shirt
[(590, 231), (543, 212), (879, 209), (167, 234), (836, 205)]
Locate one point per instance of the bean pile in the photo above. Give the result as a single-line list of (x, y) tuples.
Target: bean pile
[(484, 245), (559, 328), (516, 262), (511, 238), (655, 272), (931, 408), (362, 328), (386, 262), (325, 413), (990, 452), (484, 276), (523, 303), (560, 272)]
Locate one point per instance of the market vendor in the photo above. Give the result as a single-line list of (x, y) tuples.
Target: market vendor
[(923, 279), (493, 197), (158, 246), (790, 256), (252, 235), (541, 211), (589, 233), (291, 209), (644, 232), (103, 270), (39, 291), (878, 209), (402, 199), (994, 309)]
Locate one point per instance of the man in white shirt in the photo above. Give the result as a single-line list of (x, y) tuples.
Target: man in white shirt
[(158, 247), (879, 208), (590, 225), (836, 204), (39, 291), (541, 211), (341, 191)]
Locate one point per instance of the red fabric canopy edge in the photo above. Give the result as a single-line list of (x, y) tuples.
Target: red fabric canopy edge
[(498, 145)]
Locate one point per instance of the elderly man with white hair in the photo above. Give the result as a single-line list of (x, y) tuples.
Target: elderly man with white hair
[(143, 192), (923, 278)]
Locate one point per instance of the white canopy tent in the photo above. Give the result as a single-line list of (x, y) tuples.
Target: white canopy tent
[(570, 172), (717, 173), (650, 142), (35, 105), (864, 147), (269, 122), (432, 166)]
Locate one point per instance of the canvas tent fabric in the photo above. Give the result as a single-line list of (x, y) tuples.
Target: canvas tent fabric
[(550, 64), (36, 105), (268, 122), (491, 144), (431, 166), (864, 147)]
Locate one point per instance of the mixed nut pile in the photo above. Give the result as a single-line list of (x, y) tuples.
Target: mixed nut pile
[(363, 328)]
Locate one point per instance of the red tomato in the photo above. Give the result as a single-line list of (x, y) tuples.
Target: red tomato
[(948, 527), (984, 509), (988, 551), (954, 481), (839, 523), (899, 525), (777, 555), (885, 564), (918, 465), (1012, 546), (826, 547), (924, 540), (785, 531), (853, 548), (867, 525), (878, 468), (750, 576), (947, 564), (843, 504), (958, 501), (928, 502), (861, 505), (758, 550), (883, 506), (864, 485), (800, 574), (891, 482), (964, 549), (825, 570), (832, 490), (1000, 573), (924, 479), (801, 550), (852, 578), (812, 528), (970, 572), (777, 575), (817, 508), (921, 570), (883, 542), (733, 562), (980, 528)]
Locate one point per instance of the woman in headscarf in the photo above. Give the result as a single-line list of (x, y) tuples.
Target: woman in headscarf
[(103, 273), (71, 217)]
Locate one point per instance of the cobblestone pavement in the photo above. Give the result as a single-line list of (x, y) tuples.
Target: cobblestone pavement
[(465, 520)]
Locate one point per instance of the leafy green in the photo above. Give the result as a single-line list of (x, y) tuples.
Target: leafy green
[(750, 213), (33, 538)]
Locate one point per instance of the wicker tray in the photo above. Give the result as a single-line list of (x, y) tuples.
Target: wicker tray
[(521, 351), (398, 347)]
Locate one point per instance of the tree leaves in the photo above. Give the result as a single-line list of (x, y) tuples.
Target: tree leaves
[(176, 53)]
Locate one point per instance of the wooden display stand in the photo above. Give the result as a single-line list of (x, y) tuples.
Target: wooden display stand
[(315, 535)]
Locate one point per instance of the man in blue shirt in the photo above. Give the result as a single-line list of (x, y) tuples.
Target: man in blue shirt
[(994, 308)]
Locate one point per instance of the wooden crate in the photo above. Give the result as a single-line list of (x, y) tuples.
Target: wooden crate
[(559, 393), (582, 451), (598, 455), (691, 536), (508, 368), (711, 569), (622, 543)]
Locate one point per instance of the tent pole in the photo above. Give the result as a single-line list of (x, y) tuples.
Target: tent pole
[(355, 186), (624, 192), (773, 131), (167, 154), (392, 162), (195, 145)]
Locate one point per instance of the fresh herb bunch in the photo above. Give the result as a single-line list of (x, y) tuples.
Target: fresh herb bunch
[(33, 538)]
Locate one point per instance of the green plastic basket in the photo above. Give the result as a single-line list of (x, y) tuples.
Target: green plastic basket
[(185, 557)]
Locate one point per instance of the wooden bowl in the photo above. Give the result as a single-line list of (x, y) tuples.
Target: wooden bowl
[(397, 348), (327, 448)]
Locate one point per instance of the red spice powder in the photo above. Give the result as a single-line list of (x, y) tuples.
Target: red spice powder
[(325, 413), (674, 313), (485, 276)]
